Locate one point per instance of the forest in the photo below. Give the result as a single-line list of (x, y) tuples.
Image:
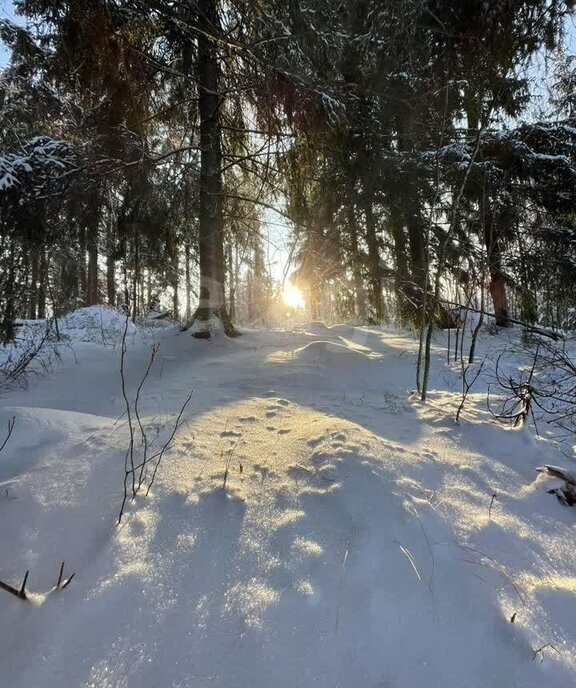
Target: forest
[(402, 143), (365, 213)]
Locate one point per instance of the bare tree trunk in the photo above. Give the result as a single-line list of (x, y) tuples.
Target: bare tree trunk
[(136, 275), (188, 281), (375, 277), (359, 293), (418, 259), (42, 284), (401, 261), (499, 297), (82, 279), (494, 258), (175, 285), (92, 282), (231, 282), (110, 268), (32, 287), (211, 223)]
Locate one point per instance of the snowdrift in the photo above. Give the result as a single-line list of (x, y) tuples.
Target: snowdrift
[(98, 324), (330, 353)]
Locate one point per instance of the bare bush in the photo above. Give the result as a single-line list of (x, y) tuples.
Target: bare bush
[(544, 390), (141, 463), (33, 353)]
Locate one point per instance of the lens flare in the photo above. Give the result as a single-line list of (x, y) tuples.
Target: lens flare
[(293, 297)]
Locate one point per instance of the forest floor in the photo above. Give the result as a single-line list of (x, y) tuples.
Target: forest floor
[(355, 542)]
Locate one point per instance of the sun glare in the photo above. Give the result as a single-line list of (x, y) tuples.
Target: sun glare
[(292, 297)]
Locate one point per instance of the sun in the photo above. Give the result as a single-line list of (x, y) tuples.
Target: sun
[(293, 297)]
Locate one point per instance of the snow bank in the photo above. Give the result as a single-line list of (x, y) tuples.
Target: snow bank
[(343, 330), (329, 353), (97, 324), (314, 327)]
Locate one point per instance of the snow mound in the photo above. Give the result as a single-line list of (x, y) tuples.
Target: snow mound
[(98, 324), (330, 353), (315, 327), (343, 330)]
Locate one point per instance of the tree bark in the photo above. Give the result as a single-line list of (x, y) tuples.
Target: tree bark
[(418, 260), (375, 275), (359, 292), (110, 268), (188, 280), (212, 304), (111, 280), (92, 282), (497, 279), (32, 287), (231, 282), (175, 285), (42, 284), (82, 279), (401, 264)]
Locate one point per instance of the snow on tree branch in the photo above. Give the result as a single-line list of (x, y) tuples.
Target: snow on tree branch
[(42, 159)]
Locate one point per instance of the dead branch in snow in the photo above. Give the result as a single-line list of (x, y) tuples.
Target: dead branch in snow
[(566, 493), (494, 495), (11, 424), (517, 406), (21, 593)]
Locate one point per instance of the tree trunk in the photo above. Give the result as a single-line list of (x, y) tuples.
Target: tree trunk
[(110, 269), (231, 282), (375, 276), (359, 292), (82, 280), (176, 284), (92, 282), (42, 284), (212, 305), (499, 298), (497, 279), (32, 287), (418, 260), (136, 275), (188, 281), (401, 273)]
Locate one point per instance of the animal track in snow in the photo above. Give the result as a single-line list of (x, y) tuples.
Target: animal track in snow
[(230, 433)]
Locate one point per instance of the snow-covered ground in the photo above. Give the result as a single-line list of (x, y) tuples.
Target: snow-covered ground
[(356, 540)]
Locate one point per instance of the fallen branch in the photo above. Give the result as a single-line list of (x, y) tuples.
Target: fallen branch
[(22, 594)]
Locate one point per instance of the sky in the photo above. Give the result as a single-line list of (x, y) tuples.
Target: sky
[(6, 11)]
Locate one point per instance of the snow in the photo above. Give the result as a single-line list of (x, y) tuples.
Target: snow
[(356, 540), (96, 324), (41, 154)]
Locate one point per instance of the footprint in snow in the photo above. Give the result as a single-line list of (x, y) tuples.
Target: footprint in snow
[(230, 433)]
